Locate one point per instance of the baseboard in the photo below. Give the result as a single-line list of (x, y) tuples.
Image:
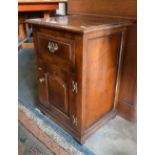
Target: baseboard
[(126, 110), (98, 124), (88, 132)]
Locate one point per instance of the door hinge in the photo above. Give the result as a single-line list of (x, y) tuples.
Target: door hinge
[(74, 120), (75, 87)]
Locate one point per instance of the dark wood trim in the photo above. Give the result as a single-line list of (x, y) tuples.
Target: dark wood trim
[(40, 1), (119, 69), (128, 88), (37, 7)]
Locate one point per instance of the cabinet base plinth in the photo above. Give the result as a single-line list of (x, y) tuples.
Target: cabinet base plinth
[(75, 134)]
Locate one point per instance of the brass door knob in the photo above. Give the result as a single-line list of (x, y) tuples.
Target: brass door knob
[(39, 68), (42, 80)]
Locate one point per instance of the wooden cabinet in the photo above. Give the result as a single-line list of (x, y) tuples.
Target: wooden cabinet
[(78, 61)]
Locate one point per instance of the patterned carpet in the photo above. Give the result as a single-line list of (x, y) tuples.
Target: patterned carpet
[(34, 141), (39, 135), (29, 144)]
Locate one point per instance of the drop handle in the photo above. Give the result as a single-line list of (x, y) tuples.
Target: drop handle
[(53, 47), (42, 80)]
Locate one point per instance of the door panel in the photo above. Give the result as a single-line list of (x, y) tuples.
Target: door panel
[(58, 87)]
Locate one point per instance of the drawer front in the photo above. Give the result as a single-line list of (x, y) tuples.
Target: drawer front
[(56, 50)]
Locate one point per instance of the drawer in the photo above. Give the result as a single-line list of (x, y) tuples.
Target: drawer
[(56, 50)]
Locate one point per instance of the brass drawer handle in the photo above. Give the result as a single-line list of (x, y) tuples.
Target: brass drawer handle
[(53, 47)]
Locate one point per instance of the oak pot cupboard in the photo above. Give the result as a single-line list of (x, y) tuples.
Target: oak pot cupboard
[(79, 61)]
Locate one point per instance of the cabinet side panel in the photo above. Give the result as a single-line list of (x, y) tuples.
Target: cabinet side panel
[(101, 70)]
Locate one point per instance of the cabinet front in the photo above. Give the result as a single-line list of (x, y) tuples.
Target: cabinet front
[(56, 79)]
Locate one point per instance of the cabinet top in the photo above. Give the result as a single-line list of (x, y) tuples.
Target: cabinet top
[(80, 23)]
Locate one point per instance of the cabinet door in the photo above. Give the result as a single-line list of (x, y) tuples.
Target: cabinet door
[(57, 93)]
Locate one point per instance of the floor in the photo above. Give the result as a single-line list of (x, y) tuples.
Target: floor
[(118, 137)]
